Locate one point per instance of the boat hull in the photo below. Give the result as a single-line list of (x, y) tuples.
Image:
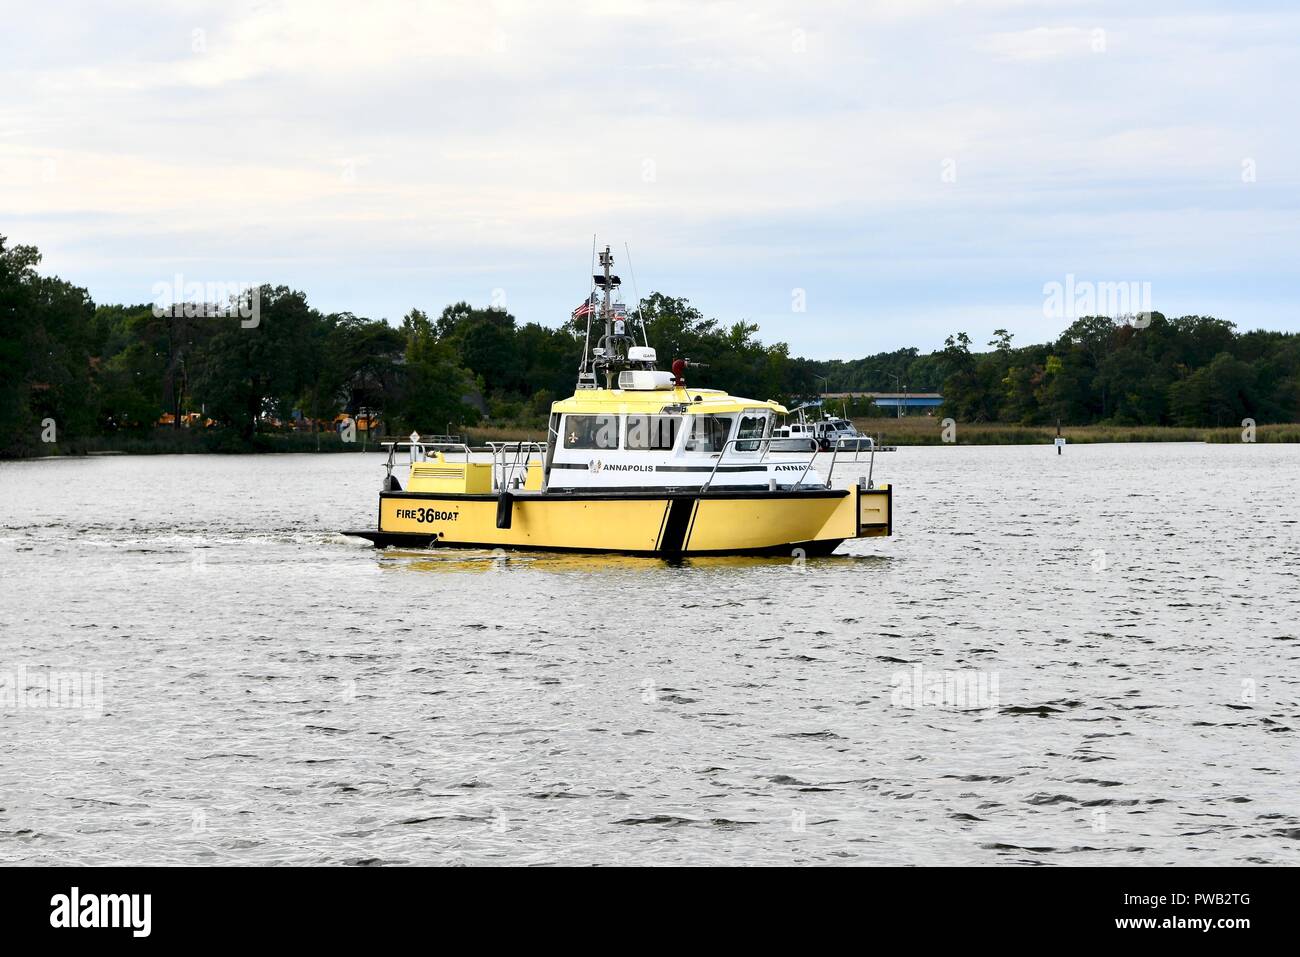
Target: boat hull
[(861, 443), (649, 523), (794, 445)]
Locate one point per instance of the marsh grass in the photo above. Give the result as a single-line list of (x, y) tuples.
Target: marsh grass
[(924, 430), (1282, 432), (917, 430), (182, 441), (484, 434)]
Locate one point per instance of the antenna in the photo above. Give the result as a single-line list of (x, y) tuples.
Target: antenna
[(640, 313), (611, 352)]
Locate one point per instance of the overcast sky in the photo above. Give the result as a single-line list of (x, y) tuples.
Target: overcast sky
[(915, 168)]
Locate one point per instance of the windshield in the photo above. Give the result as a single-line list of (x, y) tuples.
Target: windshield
[(751, 429), (708, 433), (591, 431), (652, 431)]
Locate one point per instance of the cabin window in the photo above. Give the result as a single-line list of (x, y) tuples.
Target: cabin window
[(591, 431), (750, 431), (708, 433), (655, 432)]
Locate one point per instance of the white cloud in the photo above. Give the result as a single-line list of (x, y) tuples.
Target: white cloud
[(1042, 43), (415, 148)]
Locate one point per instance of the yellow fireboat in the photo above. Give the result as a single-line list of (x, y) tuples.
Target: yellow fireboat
[(636, 462)]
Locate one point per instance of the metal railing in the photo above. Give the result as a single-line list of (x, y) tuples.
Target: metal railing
[(505, 472), (839, 444), (418, 451), (765, 443), (857, 449), (509, 471)]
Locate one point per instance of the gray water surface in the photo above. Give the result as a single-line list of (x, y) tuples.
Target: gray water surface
[(1105, 645)]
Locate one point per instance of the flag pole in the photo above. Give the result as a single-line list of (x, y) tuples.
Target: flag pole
[(586, 344)]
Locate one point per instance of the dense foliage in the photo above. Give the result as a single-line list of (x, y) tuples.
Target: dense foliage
[(1190, 371), (114, 369)]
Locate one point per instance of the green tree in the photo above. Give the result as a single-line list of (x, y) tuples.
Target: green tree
[(435, 382), (255, 371), (484, 341), (1221, 393), (46, 333)]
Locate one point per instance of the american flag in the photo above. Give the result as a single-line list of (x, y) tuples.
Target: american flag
[(586, 309)]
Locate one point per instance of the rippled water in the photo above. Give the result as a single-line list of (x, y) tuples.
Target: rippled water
[(1118, 627)]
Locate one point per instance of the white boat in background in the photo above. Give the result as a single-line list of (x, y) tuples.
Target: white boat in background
[(818, 435)]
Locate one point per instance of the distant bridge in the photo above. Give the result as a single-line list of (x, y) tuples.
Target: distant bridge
[(892, 400)]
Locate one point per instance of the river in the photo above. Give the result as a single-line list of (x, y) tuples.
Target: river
[(1089, 658)]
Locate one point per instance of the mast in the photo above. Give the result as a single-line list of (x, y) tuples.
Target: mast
[(606, 261), (616, 349)]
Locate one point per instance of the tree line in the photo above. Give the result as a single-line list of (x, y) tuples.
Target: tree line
[(1143, 370), (103, 370)]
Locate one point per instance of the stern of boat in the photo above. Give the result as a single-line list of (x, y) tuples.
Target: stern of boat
[(875, 509)]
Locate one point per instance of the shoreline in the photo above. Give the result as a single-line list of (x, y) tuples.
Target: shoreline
[(929, 431), (887, 432)]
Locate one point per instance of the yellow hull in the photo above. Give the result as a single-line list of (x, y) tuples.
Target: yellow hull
[(639, 523)]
